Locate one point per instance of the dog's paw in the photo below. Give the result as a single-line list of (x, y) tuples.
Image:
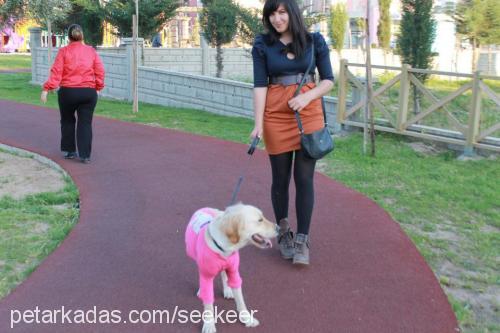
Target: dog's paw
[(228, 293), (208, 327), (248, 319)]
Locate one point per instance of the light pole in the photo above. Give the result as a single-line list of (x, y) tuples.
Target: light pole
[(368, 114), (135, 81)]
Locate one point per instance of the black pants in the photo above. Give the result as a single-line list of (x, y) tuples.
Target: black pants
[(303, 176), (83, 101)]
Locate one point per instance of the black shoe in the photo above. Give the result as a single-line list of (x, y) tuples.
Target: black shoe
[(85, 160), (69, 155)]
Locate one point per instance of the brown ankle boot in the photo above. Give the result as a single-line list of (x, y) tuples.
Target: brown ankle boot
[(285, 239), (301, 255)]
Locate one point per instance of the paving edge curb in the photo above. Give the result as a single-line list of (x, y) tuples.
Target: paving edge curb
[(37, 157)]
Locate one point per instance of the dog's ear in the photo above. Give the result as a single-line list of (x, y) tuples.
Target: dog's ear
[(232, 229)]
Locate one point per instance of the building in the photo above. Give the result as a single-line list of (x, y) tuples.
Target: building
[(14, 36), (257, 4), (184, 29)]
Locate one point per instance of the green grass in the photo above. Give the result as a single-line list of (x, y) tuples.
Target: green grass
[(450, 209), (30, 229), (15, 61)]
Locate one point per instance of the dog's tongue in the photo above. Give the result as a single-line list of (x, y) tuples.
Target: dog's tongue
[(262, 242)]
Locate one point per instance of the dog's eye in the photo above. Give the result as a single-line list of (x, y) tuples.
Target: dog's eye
[(261, 220)]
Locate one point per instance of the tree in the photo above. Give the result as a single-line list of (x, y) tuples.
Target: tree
[(89, 14), (470, 21), (11, 8), (384, 27), (414, 42), (249, 24), (338, 26), (492, 23), (479, 22), (154, 14), (250, 21), (44, 12), (218, 20)]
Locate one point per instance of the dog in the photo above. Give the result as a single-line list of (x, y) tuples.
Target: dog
[(213, 238)]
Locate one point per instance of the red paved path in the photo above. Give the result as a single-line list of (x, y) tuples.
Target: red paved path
[(127, 250)]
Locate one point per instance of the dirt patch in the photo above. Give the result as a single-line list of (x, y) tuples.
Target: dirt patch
[(389, 201), (154, 124), (484, 305), (425, 149), (321, 166), (40, 228), (22, 176)]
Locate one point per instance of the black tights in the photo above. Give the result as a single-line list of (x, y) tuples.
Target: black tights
[(303, 174)]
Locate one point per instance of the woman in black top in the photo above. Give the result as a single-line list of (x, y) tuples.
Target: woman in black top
[(279, 57)]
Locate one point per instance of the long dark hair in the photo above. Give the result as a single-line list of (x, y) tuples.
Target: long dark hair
[(296, 25)]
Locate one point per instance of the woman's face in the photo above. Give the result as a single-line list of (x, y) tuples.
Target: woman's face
[(279, 19)]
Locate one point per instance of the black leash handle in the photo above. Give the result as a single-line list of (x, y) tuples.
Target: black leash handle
[(253, 145), (250, 151)]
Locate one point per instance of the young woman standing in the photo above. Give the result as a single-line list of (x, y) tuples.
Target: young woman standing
[(281, 56)]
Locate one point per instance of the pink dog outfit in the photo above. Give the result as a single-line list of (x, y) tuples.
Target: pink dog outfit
[(210, 263)]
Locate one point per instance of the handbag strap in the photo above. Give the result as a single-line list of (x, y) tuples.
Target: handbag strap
[(297, 91)]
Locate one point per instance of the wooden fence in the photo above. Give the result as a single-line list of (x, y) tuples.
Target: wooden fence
[(465, 131)]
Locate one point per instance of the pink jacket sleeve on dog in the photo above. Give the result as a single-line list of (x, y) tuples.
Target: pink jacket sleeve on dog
[(209, 262)]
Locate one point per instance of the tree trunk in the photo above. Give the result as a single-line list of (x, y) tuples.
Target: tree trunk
[(416, 100), (349, 34), (369, 92), (490, 61), (49, 42), (219, 59), (386, 55), (475, 55)]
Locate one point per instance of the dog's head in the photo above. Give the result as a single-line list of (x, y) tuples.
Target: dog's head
[(243, 224)]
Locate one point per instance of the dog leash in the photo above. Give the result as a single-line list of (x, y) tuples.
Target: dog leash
[(250, 151)]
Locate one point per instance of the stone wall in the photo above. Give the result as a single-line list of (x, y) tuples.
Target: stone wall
[(114, 64), (172, 88)]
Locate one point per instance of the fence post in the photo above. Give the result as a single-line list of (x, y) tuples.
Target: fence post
[(35, 42), (404, 94), (342, 83), (474, 116), (129, 52)]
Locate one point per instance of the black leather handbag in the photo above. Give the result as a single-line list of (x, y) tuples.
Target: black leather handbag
[(317, 144)]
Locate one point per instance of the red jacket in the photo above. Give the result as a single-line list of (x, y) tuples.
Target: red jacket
[(76, 66)]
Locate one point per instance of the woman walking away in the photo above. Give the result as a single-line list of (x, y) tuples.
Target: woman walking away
[(281, 57), (79, 74)]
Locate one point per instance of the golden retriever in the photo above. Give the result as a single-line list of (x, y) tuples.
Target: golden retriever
[(213, 238)]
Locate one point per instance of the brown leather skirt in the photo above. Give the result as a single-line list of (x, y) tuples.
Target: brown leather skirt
[(281, 133)]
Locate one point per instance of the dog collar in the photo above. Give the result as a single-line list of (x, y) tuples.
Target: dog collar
[(215, 243)]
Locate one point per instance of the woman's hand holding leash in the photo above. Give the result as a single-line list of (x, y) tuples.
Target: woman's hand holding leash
[(253, 145), (43, 96), (256, 133)]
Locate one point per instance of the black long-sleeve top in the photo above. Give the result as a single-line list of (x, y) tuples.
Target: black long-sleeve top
[(269, 59)]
